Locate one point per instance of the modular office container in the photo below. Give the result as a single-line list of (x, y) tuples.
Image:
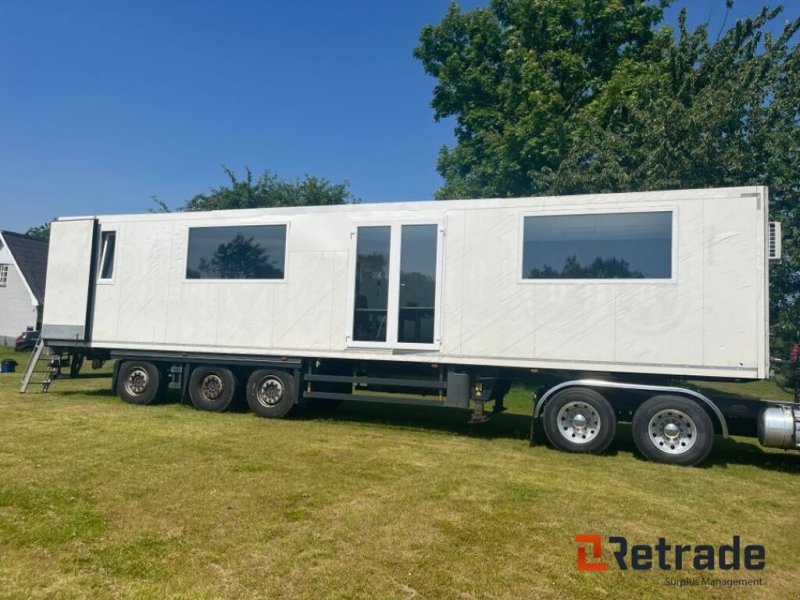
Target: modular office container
[(618, 286)]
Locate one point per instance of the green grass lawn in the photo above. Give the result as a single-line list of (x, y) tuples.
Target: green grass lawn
[(103, 499)]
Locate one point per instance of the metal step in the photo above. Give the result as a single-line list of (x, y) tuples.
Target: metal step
[(53, 363)]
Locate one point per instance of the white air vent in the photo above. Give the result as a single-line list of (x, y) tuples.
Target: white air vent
[(774, 241)]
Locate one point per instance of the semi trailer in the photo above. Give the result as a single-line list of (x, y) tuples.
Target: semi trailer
[(614, 299)]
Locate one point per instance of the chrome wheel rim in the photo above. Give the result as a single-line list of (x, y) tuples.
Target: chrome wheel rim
[(211, 387), (136, 381), (578, 422), (270, 391), (672, 431)]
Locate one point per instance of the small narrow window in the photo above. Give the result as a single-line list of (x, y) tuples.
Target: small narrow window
[(108, 242), (3, 275)]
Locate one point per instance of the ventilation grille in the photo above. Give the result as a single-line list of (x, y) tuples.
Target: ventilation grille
[(774, 241)]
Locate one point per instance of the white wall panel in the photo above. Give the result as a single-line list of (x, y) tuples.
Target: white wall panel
[(575, 322), (731, 283), (706, 320), (302, 308), (68, 275)]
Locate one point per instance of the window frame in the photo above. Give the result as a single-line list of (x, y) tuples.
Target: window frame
[(4, 269), (594, 211), (393, 305), (101, 255), (233, 223)]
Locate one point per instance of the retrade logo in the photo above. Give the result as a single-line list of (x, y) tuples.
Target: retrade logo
[(666, 557)]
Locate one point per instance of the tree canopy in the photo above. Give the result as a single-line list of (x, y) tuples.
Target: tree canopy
[(586, 96), (266, 192), (41, 231)]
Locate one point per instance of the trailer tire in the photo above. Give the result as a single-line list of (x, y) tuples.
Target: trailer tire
[(673, 430), (138, 382), (212, 388), (271, 393), (579, 420)]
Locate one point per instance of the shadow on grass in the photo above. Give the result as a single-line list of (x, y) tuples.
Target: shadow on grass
[(448, 420), (516, 426), (731, 451), (103, 392), (504, 425), (88, 376), (724, 452)]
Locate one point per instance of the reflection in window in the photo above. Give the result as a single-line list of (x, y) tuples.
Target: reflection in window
[(603, 246), (108, 243), (372, 284), (240, 252), (417, 284)]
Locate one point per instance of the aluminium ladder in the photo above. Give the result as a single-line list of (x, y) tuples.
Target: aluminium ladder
[(52, 371)]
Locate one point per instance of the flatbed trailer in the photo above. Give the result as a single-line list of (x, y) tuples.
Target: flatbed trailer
[(612, 298)]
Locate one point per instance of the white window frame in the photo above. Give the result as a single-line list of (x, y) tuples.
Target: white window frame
[(590, 211), (4, 275), (393, 305), (101, 256), (234, 223)]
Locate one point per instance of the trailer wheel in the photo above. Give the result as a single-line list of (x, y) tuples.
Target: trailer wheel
[(673, 430), (138, 382), (270, 393), (579, 420), (212, 388)]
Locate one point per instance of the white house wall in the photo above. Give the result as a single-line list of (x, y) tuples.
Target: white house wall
[(17, 306), (709, 320)]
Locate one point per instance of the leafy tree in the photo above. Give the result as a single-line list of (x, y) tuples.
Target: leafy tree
[(265, 192), (42, 231), (585, 96), (603, 268)]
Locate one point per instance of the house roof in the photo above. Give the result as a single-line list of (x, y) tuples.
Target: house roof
[(30, 254)]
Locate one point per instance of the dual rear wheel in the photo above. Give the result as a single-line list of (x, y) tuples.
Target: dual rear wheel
[(667, 429)]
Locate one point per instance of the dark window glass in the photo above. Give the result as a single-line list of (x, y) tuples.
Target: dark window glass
[(372, 284), (417, 284), (604, 246), (242, 252), (108, 242)]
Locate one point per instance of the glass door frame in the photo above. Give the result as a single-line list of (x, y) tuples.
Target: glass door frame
[(393, 305)]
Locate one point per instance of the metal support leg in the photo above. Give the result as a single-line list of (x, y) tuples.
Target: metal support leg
[(478, 413), (531, 440)]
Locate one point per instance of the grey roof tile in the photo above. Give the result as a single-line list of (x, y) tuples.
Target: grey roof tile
[(30, 254)]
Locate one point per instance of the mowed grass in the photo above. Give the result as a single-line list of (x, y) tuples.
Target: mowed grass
[(100, 499)]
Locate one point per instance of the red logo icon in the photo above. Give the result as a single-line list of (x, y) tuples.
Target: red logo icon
[(583, 563)]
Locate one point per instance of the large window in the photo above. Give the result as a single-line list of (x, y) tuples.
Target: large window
[(602, 246), (395, 299), (417, 284), (372, 284), (239, 252)]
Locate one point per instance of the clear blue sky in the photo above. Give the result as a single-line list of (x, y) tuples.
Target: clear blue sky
[(105, 103)]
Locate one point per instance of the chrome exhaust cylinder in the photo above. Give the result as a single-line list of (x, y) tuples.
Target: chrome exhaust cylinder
[(779, 427)]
